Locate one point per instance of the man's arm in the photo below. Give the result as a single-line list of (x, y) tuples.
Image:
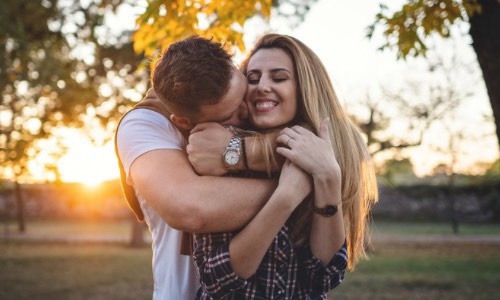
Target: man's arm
[(189, 202), (208, 141)]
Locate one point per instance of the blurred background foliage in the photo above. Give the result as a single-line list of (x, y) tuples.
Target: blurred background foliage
[(72, 64)]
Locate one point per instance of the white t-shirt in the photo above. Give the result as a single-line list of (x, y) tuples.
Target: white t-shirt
[(140, 131)]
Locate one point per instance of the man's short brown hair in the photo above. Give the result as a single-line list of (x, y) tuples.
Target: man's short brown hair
[(192, 72)]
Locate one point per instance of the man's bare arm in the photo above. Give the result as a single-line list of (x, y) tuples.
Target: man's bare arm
[(208, 141), (189, 202)]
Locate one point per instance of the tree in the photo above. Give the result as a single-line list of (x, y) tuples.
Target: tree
[(166, 21), (401, 119), (406, 30), (376, 125), (455, 137), (398, 171), (44, 84)]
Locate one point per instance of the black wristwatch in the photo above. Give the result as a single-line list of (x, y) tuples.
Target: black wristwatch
[(327, 211)]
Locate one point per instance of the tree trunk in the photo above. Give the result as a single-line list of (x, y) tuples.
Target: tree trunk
[(452, 198), (20, 207), (485, 33)]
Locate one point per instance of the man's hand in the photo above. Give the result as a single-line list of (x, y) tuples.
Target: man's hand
[(207, 143)]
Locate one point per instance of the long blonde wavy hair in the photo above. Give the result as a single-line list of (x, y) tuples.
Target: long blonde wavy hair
[(317, 100)]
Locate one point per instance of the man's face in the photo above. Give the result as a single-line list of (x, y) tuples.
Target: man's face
[(231, 109)]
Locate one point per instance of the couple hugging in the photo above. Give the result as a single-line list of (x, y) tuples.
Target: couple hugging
[(289, 234)]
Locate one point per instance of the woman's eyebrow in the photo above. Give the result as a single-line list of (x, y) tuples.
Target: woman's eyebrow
[(271, 71), (279, 69), (253, 71)]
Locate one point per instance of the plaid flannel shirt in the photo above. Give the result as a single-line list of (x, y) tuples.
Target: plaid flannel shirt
[(284, 273)]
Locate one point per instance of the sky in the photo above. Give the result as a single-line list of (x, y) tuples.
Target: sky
[(336, 31)]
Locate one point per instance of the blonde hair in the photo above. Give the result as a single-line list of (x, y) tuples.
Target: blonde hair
[(317, 100)]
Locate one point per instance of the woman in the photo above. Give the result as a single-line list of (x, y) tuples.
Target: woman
[(287, 84)]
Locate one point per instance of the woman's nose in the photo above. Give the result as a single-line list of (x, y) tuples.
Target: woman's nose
[(263, 85)]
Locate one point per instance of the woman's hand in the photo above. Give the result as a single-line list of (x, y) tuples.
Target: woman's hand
[(295, 182), (207, 142), (312, 153), (315, 155)]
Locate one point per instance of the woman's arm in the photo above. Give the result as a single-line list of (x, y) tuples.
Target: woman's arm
[(225, 261), (249, 246), (315, 155)]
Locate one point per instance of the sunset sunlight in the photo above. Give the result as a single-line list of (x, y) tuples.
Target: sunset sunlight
[(82, 161), (88, 164)]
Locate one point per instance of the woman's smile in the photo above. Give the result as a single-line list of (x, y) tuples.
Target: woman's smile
[(265, 105), (272, 91)]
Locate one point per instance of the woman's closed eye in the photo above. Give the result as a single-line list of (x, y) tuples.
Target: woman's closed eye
[(280, 79), (253, 80)]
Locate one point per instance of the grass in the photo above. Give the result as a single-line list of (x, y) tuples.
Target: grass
[(395, 270), (64, 271), (430, 271)]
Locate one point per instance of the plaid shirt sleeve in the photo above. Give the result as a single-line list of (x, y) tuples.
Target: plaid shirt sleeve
[(321, 279), (211, 255)]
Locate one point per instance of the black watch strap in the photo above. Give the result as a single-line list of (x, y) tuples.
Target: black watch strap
[(327, 211)]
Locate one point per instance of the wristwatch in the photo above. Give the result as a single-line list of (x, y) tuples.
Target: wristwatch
[(231, 155), (327, 211)]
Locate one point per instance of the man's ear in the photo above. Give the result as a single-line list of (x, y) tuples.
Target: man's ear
[(181, 122)]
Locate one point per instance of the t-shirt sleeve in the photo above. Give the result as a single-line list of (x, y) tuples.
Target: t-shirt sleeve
[(144, 130)]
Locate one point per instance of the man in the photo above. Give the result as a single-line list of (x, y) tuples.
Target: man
[(195, 81)]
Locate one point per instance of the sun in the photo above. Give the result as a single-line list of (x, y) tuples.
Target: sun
[(88, 164)]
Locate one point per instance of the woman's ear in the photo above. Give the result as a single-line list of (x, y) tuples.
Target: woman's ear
[(181, 122)]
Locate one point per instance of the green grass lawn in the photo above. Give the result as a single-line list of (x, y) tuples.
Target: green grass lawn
[(64, 271), (430, 271), (395, 270)]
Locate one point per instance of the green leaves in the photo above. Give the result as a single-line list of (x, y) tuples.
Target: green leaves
[(406, 29)]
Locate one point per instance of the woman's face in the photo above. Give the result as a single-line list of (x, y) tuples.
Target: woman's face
[(271, 93)]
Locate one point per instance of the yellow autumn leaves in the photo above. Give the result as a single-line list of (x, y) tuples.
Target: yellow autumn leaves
[(166, 21)]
